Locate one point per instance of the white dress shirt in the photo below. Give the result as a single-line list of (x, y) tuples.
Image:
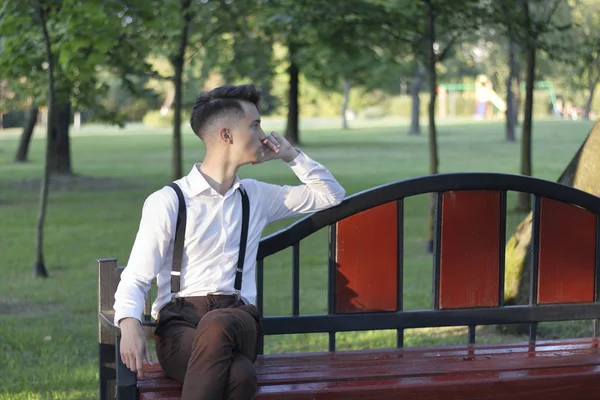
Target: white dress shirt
[(212, 235)]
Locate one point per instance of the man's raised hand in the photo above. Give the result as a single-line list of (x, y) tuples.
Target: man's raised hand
[(276, 147)]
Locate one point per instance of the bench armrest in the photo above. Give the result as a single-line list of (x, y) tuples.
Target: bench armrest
[(107, 320)]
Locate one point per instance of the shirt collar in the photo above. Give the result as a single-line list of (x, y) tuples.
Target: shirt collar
[(198, 184)]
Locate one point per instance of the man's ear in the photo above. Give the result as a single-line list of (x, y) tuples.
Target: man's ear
[(225, 135)]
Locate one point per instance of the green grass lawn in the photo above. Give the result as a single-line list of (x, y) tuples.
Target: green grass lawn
[(48, 328)]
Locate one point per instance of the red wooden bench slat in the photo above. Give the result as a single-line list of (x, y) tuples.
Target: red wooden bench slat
[(367, 259), (378, 369), (470, 249), (153, 384), (566, 253), (581, 383), (407, 366), (171, 395), (492, 348)]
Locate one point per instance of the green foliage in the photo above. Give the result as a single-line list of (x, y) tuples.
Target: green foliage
[(86, 37)]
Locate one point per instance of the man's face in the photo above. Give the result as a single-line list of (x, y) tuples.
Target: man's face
[(247, 135)]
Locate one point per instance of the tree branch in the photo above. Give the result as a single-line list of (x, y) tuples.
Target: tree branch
[(445, 53), (552, 11)]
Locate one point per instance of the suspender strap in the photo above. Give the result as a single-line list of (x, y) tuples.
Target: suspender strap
[(180, 236), (179, 239), (243, 239)]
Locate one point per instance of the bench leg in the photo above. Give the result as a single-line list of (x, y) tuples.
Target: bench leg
[(126, 379), (106, 355)]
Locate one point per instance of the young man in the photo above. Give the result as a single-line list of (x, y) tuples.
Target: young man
[(207, 332)]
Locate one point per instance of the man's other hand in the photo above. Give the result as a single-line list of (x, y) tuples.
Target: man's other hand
[(134, 347)]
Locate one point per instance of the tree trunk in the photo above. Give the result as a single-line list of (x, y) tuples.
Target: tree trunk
[(347, 87), (583, 172), (178, 63), (524, 199), (511, 104), (39, 268), (176, 159), (518, 97), (60, 147), (415, 89), (588, 103), (23, 149), (291, 130), (433, 150)]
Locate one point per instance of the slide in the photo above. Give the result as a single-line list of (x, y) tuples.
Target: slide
[(497, 101)]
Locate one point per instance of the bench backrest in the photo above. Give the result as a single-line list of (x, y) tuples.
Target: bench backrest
[(366, 257)]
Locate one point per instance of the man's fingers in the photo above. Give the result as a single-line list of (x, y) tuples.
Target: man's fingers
[(128, 361), (275, 138), (125, 360), (271, 144), (139, 365), (149, 356)]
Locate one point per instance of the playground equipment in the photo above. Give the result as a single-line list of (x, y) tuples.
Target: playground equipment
[(485, 96), (486, 100)]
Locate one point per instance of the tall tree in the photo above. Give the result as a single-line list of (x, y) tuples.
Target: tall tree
[(586, 76), (445, 23), (23, 148), (332, 53), (42, 11), (86, 37), (524, 199), (179, 31), (415, 90), (533, 25), (512, 110), (178, 62), (292, 126)]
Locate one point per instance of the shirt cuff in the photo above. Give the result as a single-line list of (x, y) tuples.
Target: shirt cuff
[(301, 160), (122, 315)]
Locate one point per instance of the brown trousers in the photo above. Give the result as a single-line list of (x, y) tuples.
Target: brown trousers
[(209, 343)]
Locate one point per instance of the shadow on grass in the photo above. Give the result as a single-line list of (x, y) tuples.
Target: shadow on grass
[(77, 182)]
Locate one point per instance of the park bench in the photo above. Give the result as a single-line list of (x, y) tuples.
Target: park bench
[(365, 292)]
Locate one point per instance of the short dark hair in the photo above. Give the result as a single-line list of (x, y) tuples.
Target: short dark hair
[(220, 101)]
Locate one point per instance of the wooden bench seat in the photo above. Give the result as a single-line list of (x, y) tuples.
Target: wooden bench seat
[(551, 369), (366, 290)]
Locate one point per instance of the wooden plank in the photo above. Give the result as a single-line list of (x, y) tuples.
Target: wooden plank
[(470, 249), (402, 363), (496, 359), (553, 368), (582, 383), (377, 369), (431, 351), (108, 279), (556, 384), (566, 253), (157, 384), (366, 260), (170, 395)]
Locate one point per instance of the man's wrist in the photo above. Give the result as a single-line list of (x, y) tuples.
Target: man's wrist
[(292, 156), (129, 321)]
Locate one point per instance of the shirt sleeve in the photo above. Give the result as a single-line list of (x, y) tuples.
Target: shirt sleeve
[(154, 236), (320, 190)]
